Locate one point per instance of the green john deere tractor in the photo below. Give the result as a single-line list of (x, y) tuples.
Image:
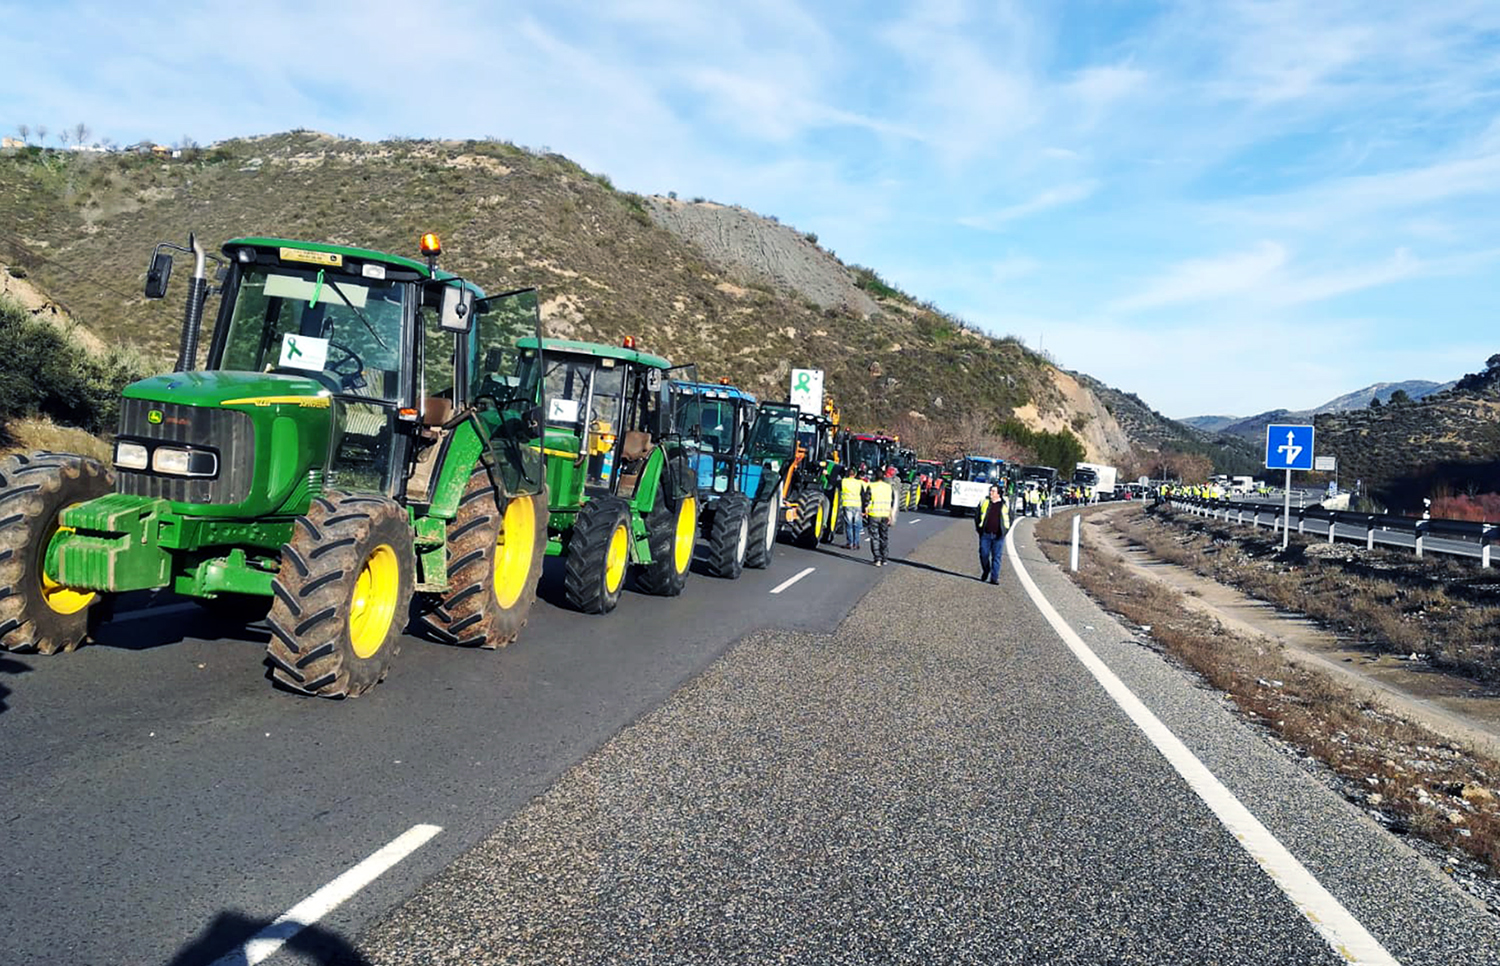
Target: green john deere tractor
[(364, 430), (622, 481)]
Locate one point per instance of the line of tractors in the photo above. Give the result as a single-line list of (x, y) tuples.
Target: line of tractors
[(374, 440)]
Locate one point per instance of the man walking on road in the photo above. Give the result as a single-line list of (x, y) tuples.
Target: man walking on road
[(880, 506), (852, 498), (992, 520)]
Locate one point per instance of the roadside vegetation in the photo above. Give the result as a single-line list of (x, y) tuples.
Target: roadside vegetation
[(1406, 776), (51, 383)]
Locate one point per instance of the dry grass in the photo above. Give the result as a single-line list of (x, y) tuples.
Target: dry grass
[(1385, 600), (40, 433), (1413, 778)]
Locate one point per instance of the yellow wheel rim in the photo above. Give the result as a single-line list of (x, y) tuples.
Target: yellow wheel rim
[(373, 605), (687, 531), (62, 600), (514, 550), (616, 558)]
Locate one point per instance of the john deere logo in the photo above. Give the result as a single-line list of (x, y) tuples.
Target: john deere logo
[(154, 416)]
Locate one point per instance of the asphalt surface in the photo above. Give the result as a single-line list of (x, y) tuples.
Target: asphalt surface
[(937, 781), (160, 802), (934, 779)]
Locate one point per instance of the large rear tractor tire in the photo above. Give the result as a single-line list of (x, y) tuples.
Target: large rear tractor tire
[(598, 555), (764, 520), (729, 536), (494, 563), (673, 535), (812, 517), (342, 596), (36, 613)]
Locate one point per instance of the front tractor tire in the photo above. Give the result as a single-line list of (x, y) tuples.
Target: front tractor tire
[(673, 535), (765, 519), (812, 517), (729, 536), (598, 555), (36, 613), (494, 562), (342, 596)]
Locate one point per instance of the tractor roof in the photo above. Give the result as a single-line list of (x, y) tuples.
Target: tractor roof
[(597, 349), (712, 390), (347, 251)]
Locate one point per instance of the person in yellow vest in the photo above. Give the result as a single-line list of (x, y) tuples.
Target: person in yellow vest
[(852, 498), (880, 507), (992, 522)]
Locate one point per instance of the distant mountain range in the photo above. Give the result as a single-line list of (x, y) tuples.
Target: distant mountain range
[(1254, 427)]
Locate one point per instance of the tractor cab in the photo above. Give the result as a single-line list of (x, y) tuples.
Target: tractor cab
[(621, 478), (717, 421)]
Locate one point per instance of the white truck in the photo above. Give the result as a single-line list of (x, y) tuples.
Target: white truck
[(1098, 476)]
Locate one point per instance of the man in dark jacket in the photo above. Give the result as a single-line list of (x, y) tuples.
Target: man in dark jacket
[(992, 521)]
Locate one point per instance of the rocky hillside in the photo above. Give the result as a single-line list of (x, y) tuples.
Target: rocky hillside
[(1253, 428), (743, 296), (1448, 440), (1152, 432)]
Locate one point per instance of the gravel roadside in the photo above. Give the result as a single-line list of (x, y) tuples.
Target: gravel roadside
[(938, 781)]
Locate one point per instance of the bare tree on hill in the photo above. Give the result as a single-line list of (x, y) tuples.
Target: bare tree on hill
[(41, 134), (81, 133), (25, 131)]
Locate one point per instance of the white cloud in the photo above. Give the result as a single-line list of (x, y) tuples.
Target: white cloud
[(1205, 279), (1065, 194)]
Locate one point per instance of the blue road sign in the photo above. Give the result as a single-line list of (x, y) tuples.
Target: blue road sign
[(1289, 447)]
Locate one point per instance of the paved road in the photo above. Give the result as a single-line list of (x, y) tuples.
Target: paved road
[(940, 780), (159, 802)]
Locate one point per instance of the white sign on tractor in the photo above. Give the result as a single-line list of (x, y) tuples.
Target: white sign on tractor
[(807, 390)]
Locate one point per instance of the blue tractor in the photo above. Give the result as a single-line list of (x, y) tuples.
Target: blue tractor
[(737, 497)]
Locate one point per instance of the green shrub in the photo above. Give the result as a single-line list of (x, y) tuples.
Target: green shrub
[(49, 372)]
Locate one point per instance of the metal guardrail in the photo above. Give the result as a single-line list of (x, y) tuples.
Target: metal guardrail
[(1457, 538)]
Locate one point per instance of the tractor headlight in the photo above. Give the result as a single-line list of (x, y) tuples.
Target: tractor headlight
[(184, 462), (130, 456)]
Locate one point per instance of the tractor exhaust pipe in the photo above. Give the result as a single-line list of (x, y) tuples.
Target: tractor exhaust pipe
[(192, 318)]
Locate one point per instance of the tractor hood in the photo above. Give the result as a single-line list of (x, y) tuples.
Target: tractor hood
[(218, 388)]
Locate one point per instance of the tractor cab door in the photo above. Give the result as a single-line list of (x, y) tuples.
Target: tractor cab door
[(678, 428), (503, 382)]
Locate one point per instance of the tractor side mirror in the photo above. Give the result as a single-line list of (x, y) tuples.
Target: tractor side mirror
[(457, 312), (158, 275)]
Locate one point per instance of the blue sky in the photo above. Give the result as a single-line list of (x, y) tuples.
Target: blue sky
[(1224, 207)]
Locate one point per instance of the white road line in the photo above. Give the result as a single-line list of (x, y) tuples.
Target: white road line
[(1326, 914), (791, 580), (910, 522), (266, 942)]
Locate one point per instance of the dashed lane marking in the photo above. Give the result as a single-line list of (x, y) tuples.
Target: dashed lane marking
[(791, 580), (265, 943), (1338, 927)]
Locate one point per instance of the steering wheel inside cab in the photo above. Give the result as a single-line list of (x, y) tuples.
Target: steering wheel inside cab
[(344, 373)]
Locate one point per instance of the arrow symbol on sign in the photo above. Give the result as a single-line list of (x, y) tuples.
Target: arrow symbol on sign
[(1291, 449)]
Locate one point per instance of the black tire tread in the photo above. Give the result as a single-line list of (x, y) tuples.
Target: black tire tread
[(588, 543), (34, 488), (724, 559), (468, 615), (308, 651)]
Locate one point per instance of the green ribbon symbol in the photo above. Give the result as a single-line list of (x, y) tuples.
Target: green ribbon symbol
[(804, 382), (292, 351)]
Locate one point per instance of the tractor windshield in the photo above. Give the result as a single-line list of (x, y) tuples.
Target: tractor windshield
[(868, 452), (775, 435), (345, 330)]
